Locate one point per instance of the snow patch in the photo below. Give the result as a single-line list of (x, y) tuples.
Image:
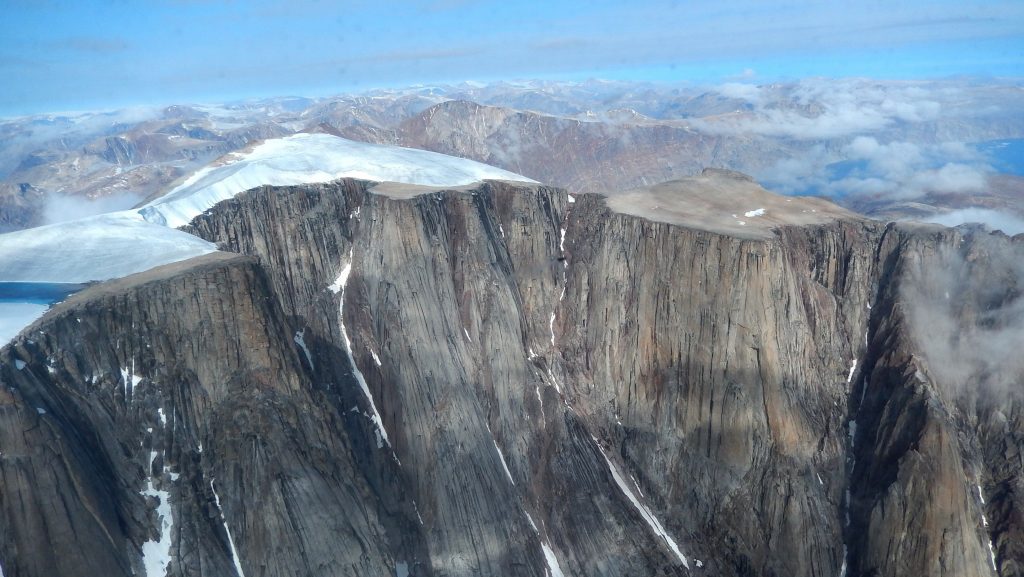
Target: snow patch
[(231, 542), (130, 380), (19, 364), (754, 213), (984, 522), (300, 339), (572, 199), (500, 455), (554, 570), (554, 381), (339, 288), (646, 513), (853, 367), (339, 283), (156, 555), (312, 158), (551, 327), (376, 359), (532, 524)]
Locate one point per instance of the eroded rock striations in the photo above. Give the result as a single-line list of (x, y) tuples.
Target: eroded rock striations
[(501, 379)]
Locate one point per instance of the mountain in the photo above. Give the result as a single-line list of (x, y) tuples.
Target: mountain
[(869, 145), (601, 154), (502, 378)]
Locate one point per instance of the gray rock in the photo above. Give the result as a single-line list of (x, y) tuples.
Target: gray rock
[(549, 383)]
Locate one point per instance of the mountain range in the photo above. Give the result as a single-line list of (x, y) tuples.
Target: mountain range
[(317, 356), (921, 149)]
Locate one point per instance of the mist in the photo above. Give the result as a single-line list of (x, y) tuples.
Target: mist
[(966, 312), (992, 219), (62, 207)]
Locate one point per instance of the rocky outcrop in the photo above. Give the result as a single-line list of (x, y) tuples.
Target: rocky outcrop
[(929, 432), (167, 416), (501, 379)]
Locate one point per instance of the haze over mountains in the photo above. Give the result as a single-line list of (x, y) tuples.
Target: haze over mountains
[(946, 150)]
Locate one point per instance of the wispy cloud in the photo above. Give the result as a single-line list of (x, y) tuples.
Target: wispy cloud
[(62, 208), (287, 45), (993, 219), (867, 167), (830, 109), (966, 315)]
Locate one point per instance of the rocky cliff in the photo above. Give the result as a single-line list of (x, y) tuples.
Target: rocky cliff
[(501, 379)]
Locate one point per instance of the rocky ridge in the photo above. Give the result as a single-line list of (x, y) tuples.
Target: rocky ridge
[(503, 379)]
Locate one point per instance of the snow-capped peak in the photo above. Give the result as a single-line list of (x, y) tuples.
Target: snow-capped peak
[(121, 243), (312, 158)]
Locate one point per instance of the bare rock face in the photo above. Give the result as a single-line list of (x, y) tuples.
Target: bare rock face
[(502, 379), (604, 155), (179, 393)]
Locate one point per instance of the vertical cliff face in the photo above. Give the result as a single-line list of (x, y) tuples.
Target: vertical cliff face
[(933, 446), (500, 379), (167, 417)]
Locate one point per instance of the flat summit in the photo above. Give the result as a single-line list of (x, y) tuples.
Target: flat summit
[(725, 202)]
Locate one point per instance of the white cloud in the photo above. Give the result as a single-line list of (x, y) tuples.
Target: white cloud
[(825, 109), (952, 177), (964, 315), (897, 169), (749, 92), (62, 208), (993, 219)]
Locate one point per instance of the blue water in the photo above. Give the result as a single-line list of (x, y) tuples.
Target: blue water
[(1006, 156), (36, 292)]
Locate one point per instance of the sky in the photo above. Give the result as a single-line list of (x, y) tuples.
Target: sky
[(87, 54)]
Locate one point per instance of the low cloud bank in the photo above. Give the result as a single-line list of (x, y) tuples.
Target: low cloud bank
[(993, 219), (62, 208), (817, 108), (858, 137)]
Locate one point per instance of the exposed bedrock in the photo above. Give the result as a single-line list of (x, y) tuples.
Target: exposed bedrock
[(496, 380)]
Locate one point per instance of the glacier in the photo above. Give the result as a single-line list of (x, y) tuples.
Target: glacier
[(118, 244), (312, 158)]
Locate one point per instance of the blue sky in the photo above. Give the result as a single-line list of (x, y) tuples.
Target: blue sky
[(75, 55)]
